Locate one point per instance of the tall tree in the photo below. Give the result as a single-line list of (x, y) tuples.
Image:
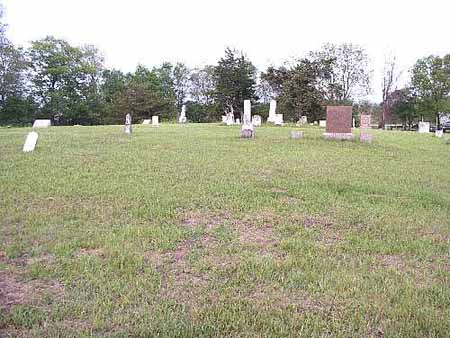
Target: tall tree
[(64, 79), (344, 72), (391, 75), (235, 78), (202, 85), (296, 88), (431, 84)]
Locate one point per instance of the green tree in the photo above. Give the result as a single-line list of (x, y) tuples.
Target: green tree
[(430, 83), (295, 88), (344, 72), (65, 80), (404, 106), (235, 78)]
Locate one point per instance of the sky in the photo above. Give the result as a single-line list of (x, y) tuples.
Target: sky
[(197, 32)]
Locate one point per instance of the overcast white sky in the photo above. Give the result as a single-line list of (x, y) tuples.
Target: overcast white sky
[(197, 31)]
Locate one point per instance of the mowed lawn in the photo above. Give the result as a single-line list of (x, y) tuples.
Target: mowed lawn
[(190, 231)]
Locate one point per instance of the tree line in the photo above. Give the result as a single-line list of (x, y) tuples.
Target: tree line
[(71, 85)]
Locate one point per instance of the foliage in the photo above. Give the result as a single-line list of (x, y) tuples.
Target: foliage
[(235, 78), (430, 83)]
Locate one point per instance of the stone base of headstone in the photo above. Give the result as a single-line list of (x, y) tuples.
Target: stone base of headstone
[(247, 133), (296, 134), (366, 137), (338, 136)]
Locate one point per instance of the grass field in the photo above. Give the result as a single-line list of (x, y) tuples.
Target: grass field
[(189, 231)]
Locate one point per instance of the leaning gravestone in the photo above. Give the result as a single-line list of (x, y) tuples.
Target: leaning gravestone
[(272, 111), (42, 123), (128, 127), (365, 135), (183, 118), (155, 121), (256, 120), (30, 142), (146, 122), (424, 127), (339, 123)]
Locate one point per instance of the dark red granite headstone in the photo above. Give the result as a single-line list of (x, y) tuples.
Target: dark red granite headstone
[(339, 119)]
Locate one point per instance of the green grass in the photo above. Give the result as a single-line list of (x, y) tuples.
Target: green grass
[(189, 231)]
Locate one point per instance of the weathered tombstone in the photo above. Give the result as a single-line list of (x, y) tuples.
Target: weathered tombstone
[(256, 120), (424, 127), (366, 135), (439, 133), (146, 122), (42, 123), (279, 120), (296, 134), (247, 111), (183, 118), (155, 121), (272, 111), (128, 126), (339, 123), (238, 121), (224, 119), (30, 142), (247, 130), (323, 123), (302, 121)]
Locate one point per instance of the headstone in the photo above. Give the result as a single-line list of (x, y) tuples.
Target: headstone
[(296, 134), (279, 120), (247, 130), (323, 123), (183, 118), (146, 122), (247, 111), (366, 135), (128, 127), (272, 111), (339, 123), (155, 121), (30, 142), (302, 121), (439, 133), (224, 119), (424, 127), (256, 120), (238, 121), (42, 123)]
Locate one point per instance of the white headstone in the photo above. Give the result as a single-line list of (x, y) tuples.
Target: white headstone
[(146, 122), (224, 119), (230, 119), (323, 123), (247, 130), (238, 121), (439, 133), (256, 120), (296, 134), (183, 118), (424, 127), (302, 121), (279, 120), (30, 142), (247, 111), (42, 123), (272, 111), (128, 124), (155, 121)]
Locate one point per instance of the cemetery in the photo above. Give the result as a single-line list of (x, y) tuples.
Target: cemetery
[(220, 197)]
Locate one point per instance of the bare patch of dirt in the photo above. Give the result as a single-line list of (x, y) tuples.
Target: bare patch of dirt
[(46, 259), (316, 222), (393, 261), (99, 252), (14, 291), (200, 219)]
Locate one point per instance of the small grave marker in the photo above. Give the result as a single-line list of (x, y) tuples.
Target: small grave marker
[(30, 142)]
